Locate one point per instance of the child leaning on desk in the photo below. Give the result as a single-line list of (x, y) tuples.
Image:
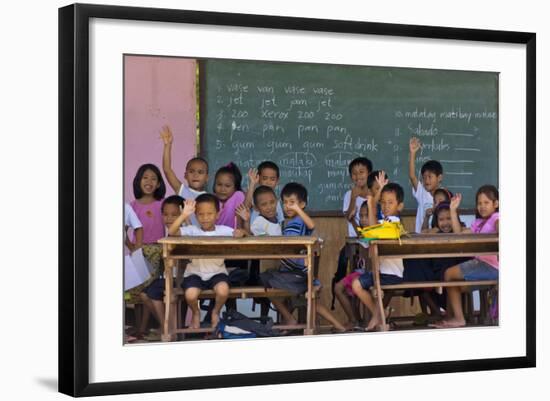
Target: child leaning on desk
[(391, 198), (204, 274), (297, 223)]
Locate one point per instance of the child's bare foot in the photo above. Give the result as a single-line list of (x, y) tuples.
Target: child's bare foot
[(195, 321), (448, 324), (374, 323)]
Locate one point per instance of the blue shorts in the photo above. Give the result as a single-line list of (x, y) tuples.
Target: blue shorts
[(476, 269), (195, 281), (367, 280), (156, 289)]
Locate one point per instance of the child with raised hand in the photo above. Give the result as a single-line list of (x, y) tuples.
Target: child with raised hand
[(440, 195), (479, 268), (267, 174), (196, 171), (227, 188), (343, 290), (265, 204), (297, 222), (203, 274), (432, 175), (391, 198)]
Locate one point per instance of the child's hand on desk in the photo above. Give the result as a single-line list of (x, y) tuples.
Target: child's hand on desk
[(239, 233), (166, 135), (243, 212)]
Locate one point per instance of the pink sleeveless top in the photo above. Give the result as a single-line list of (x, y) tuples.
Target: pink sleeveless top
[(487, 226)]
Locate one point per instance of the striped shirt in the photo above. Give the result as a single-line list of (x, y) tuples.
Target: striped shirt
[(294, 227)]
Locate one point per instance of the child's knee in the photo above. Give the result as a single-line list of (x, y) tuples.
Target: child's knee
[(453, 273), (192, 294), (222, 289)]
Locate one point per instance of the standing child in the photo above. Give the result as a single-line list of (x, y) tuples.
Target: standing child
[(479, 268), (204, 274), (391, 199), (297, 222), (359, 170), (196, 171), (227, 188), (432, 175), (342, 289), (132, 221)]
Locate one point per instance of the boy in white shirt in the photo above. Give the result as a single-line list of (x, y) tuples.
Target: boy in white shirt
[(265, 204), (391, 198), (204, 274), (432, 175), (196, 172)]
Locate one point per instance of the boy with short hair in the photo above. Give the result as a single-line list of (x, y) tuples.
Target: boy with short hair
[(196, 172), (391, 198), (266, 174), (204, 274), (432, 175), (297, 222), (265, 203)]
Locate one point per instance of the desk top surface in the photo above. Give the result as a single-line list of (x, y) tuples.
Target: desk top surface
[(262, 240), (427, 239)]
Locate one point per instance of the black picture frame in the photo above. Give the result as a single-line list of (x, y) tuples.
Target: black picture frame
[(74, 198)]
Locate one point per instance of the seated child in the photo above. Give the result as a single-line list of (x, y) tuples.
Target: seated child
[(267, 174), (297, 222), (342, 289), (152, 296), (484, 267), (204, 274), (432, 175), (391, 199), (265, 204), (440, 195)]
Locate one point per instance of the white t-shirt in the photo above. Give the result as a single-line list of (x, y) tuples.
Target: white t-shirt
[(393, 265), (425, 201), (130, 217), (254, 214), (190, 193), (262, 226), (358, 202), (206, 268)]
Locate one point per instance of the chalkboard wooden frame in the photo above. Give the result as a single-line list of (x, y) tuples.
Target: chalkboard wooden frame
[(74, 190)]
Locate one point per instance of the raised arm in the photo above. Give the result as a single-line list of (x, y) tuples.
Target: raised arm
[(429, 212), (371, 203), (414, 146), (243, 214), (188, 210), (455, 222), (253, 179), (167, 138)]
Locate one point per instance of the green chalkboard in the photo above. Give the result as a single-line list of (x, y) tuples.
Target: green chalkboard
[(313, 119)]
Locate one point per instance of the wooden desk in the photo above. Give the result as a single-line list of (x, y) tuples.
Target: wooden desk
[(417, 246), (268, 247)]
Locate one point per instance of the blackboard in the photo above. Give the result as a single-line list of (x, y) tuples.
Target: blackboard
[(313, 119)]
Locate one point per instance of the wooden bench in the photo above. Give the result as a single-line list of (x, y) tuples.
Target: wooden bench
[(265, 247), (420, 246)]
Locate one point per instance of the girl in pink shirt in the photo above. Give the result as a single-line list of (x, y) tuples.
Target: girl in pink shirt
[(227, 188), (479, 268)]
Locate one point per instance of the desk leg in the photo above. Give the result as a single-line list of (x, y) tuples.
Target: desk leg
[(309, 330), (377, 286), (167, 334)]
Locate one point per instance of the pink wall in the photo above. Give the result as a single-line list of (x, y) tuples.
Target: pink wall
[(157, 91)]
